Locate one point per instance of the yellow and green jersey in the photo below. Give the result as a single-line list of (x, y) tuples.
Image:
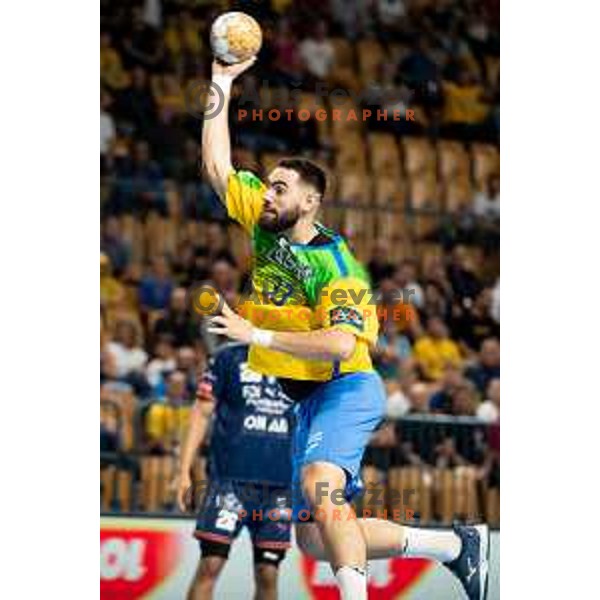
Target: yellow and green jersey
[(301, 287)]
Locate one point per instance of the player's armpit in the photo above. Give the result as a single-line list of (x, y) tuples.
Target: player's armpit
[(245, 198)]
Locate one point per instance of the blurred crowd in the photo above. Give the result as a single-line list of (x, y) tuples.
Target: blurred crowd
[(163, 230)]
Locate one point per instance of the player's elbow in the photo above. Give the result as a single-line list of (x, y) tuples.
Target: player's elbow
[(344, 345)]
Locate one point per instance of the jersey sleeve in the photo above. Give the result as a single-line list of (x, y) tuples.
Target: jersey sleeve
[(346, 305), (245, 197)]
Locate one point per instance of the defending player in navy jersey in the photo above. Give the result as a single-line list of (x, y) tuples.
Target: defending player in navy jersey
[(249, 469)]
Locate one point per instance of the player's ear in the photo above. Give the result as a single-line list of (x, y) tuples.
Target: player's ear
[(313, 200)]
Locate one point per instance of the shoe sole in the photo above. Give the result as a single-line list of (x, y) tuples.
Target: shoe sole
[(484, 549)]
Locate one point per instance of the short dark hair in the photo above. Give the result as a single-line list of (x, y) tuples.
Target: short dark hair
[(308, 171)]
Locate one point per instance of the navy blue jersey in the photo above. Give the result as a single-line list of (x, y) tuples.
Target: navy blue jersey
[(252, 422)]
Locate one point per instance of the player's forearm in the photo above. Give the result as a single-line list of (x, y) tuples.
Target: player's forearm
[(194, 437), (318, 345), (216, 145)]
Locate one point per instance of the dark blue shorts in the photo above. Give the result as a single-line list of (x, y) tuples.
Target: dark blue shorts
[(230, 505), (334, 425)]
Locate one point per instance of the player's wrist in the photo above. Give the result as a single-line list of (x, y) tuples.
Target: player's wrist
[(223, 81), (262, 337)]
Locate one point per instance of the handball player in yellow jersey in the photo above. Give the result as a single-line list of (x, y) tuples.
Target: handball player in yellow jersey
[(313, 329)]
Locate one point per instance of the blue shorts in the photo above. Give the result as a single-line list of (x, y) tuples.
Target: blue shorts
[(334, 424), (230, 505)]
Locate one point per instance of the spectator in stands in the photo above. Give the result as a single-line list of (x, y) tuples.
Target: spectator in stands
[(495, 307), (435, 302), (489, 409), (136, 104), (169, 95), (405, 278), (473, 324), (165, 424), (112, 73), (139, 187), (107, 132), (217, 242), (461, 274), (111, 289), (392, 348), (286, 52), (190, 363), (463, 400), (318, 52), (380, 266), (421, 74), (182, 42), (465, 106), (486, 203), (199, 201), (441, 401), (166, 418), (435, 350), (162, 364), (488, 366), (201, 268), (114, 246), (419, 395), (447, 456), (354, 17), (142, 44), (156, 286), (129, 357), (178, 322), (390, 14)]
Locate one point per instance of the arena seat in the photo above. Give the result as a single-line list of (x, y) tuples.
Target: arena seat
[(453, 160), (486, 161), (458, 193), (413, 486), (389, 192), (419, 156), (384, 154), (423, 192), (355, 188), (312, 103)]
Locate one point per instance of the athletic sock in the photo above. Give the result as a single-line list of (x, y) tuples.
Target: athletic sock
[(352, 582), (443, 546)]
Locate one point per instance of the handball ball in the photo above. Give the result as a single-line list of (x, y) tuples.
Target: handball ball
[(235, 37)]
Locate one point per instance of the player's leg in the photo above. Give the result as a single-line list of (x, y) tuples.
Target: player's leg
[(271, 537), (338, 430), (217, 525), (266, 572), (214, 557), (465, 551)]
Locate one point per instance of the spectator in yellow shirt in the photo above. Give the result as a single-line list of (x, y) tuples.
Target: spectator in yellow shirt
[(166, 421), (112, 73), (464, 100), (435, 350)]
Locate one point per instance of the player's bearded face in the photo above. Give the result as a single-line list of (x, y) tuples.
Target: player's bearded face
[(283, 201), (278, 220)]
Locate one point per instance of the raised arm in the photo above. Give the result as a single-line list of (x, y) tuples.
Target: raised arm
[(216, 145)]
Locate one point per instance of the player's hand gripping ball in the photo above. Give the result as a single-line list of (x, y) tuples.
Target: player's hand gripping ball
[(235, 37)]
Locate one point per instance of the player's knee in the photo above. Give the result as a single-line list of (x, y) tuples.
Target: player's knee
[(210, 569), (320, 481), (265, 576)]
